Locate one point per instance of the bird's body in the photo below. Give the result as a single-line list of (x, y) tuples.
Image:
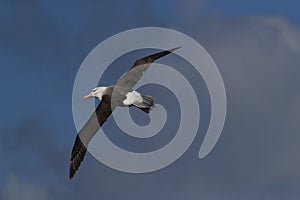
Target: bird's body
[(132, 98), (119, 94)]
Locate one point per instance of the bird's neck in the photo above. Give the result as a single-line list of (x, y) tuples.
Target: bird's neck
[(100, 92)]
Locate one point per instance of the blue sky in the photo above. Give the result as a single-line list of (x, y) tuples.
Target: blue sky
[(256, 45)]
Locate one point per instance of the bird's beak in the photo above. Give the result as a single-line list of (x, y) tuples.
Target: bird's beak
[(87, 96)]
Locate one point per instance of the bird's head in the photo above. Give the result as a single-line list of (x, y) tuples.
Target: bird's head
[(96, 92)]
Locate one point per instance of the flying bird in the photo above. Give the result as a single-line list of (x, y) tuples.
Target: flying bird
[(119, 94)]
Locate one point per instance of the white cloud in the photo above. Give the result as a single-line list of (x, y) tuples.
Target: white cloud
[(288, 32), (14, 189)]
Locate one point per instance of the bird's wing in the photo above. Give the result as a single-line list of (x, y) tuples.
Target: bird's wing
[(87, 132), (130, 79)]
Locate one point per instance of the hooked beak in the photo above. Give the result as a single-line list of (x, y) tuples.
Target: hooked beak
[(87, 96)]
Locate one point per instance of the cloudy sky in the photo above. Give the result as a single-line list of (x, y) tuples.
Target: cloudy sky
[(256, 46)]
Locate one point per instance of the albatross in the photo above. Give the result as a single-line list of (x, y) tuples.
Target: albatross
[(119, 94)]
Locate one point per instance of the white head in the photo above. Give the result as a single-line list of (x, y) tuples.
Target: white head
[(96, 92)]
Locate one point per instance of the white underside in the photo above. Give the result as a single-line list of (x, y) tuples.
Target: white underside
[(133, 98)]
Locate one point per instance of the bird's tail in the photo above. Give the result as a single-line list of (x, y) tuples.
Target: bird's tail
[(147, 104)]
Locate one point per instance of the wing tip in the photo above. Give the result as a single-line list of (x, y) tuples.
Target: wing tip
[(174, 49), (78, 153), (71, 174)]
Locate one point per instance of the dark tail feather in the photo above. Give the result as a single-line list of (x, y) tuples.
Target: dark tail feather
[(148, 100), (146, 110), (147, 104)]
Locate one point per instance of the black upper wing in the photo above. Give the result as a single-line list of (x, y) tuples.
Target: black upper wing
[(87, 132), (130, 79)]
